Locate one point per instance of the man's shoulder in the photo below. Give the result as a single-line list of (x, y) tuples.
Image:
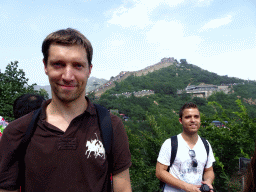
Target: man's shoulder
[(20, 124), (16, 130), (168, 140), (203, 139), (115, 118)]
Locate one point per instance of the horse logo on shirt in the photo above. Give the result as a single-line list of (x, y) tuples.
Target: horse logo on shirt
[(96, 146)]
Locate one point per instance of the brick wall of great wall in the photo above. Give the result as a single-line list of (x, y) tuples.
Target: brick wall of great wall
[(165, 62)]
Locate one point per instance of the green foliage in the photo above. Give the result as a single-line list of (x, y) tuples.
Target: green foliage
[(236, 139), (144, 146), (13, 83)]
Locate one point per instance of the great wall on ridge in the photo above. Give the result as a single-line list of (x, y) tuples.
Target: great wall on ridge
[(165, 62)]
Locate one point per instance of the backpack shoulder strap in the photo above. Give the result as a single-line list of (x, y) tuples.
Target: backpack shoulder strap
[(24, 144), (174, 144), (106, 130), (105, 125), (206, 145), (31, 128)]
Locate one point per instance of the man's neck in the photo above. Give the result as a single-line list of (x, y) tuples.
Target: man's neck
[(69, 110), (191, 139)]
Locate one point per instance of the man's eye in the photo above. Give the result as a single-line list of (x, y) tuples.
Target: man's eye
[(78, 66), (57, 64)]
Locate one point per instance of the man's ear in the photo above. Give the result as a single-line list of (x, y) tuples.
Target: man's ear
[(90, 70), (180, 120), (45, 67)]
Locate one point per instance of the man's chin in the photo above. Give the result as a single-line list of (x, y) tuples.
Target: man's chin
[(66, 98), (191, 132)]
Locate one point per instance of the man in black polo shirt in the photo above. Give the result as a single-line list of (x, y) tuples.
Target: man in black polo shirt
[(66, 151)]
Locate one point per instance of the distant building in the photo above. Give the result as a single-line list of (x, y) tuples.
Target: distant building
[(219, 124), (136, 94), (203, 90)]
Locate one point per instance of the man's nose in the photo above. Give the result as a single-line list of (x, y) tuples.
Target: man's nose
[(68, 74)]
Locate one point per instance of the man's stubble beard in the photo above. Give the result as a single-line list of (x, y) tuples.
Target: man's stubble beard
[(68, 98)]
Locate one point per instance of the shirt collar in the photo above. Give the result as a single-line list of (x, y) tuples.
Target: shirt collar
[(91, 110)]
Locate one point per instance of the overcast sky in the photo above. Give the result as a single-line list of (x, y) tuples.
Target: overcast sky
[(129, 35)]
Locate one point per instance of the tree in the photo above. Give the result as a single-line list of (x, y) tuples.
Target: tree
[(235, 139), (13, 83)]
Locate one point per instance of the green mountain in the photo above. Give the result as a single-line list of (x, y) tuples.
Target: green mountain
[(167, 81)]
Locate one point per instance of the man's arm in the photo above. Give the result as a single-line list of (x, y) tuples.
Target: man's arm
[(121, 182), (163, 175), (208, 176)]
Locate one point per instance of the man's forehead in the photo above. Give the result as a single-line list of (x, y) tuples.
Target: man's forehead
[(56, 50), (191, 111), (68, 46)]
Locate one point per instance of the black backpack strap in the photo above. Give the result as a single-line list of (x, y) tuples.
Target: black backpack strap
[(105, 127), (206, 145), (106, 130), (31, 128), (24, 144), (174, 145)]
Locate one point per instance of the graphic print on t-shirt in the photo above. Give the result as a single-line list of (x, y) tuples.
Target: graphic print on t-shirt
[(190, 174), (95, 147)]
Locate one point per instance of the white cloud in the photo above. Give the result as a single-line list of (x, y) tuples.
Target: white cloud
[(138, 14), (215, 23), (171, 39), (164, 32), (127, 17)]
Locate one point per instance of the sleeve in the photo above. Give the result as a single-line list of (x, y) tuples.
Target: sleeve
[(121, 151), (8, 164), (10, 153), (164, 156), (211, 158)]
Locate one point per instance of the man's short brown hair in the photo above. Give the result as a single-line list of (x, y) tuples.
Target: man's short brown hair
[(187, 106), (67, 37)]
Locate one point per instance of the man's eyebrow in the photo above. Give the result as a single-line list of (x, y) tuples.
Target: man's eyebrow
[(56, 61)]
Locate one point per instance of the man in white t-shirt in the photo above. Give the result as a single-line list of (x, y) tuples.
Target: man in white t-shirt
[(191, 167)]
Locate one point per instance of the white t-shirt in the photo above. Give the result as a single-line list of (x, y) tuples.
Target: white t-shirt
[(182, 166)]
